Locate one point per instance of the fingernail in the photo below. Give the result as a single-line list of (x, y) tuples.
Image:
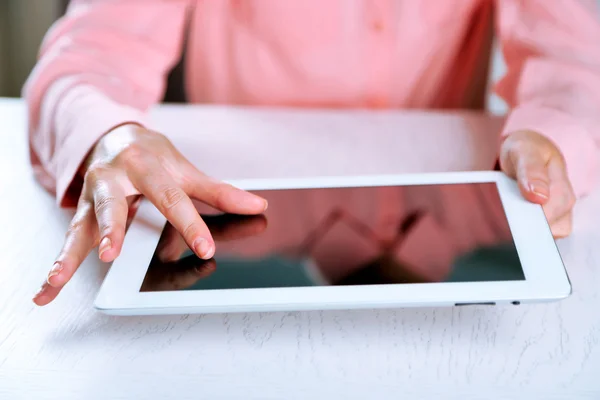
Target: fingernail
[(203, 249), (266, 206), (540, 188), (56, 269), (105, 245)]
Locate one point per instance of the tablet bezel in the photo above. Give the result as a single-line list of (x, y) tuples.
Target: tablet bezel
[(546, 278)]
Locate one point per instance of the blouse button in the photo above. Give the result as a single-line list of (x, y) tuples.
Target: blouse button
[(377, 25)]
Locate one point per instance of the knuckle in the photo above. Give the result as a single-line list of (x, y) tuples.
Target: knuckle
[(190, 178), (79, 222), (161, 138), (111, 228), (171, 168), (104, 203), (171, 197), (95, 172), (190, 231), (76, 226), (131, 156), (186, 181), (108, 226)]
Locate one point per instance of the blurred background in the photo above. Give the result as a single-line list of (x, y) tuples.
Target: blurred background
[(23, 24)]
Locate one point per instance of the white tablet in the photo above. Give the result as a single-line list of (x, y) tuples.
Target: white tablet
[(346, 242)]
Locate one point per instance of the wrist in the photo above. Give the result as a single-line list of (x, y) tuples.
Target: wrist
[(118, 137)]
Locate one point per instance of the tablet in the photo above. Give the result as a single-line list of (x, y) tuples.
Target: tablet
[(445, 239)]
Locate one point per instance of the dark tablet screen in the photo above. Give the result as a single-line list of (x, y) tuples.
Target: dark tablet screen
[(348, 236)]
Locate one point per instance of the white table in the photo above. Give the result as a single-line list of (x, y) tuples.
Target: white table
[(69, 351)]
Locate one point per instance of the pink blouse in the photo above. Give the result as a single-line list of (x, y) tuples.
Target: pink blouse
[(106, 62)]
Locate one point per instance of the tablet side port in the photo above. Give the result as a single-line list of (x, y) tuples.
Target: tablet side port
[(490, 303)]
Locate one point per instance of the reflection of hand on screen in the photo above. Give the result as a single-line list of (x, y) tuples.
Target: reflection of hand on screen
[(222, 227), (177, 275), (171, 272), (351, 235)]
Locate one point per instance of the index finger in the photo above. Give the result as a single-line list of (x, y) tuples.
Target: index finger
[(220, 195), (170, 199)]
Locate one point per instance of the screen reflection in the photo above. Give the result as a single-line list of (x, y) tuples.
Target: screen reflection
[(348, 236)]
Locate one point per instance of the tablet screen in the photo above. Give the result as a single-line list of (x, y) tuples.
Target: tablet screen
[(348, 236)]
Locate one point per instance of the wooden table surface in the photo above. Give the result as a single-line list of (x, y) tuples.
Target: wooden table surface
[(67, 350)]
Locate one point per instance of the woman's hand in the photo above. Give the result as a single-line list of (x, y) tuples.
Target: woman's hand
[(539, 168), (130, 161)]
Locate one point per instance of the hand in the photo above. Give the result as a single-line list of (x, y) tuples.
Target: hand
[(127, 162), (540, 170), (171, 272)]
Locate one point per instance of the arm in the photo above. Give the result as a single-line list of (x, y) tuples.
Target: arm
[(552, 52), (100, 66)]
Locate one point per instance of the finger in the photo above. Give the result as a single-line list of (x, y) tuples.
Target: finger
[(45, 294), (220, 195), (232, 227), (174, 204), (530, 170), (80, 239), (111, 209), (563, 226)]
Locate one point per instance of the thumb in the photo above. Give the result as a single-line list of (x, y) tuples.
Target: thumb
[(529, 167)]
